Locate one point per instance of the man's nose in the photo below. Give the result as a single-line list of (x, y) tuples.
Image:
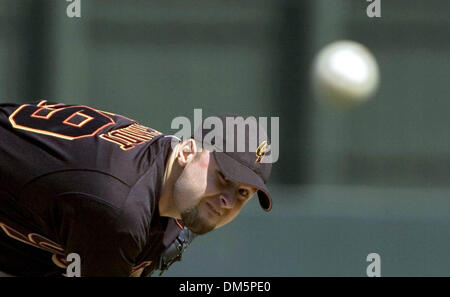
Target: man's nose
[(226, 201)]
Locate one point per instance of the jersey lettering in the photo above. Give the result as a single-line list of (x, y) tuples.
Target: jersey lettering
[(32, 239), (131, 136), (38, 241)]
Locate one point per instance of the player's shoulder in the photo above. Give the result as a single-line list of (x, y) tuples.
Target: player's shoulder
[(123, 218), (80, 188), (87, 213)]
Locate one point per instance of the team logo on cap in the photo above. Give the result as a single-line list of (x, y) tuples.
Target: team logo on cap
[(261, 151)]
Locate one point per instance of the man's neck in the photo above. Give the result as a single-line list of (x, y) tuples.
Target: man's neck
[(165, 201)]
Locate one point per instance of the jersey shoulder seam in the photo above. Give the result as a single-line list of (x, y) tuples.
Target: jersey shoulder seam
[(90, 196), (75, 169)]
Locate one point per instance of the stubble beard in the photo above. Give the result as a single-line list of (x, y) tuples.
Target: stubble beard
[(194, 222)]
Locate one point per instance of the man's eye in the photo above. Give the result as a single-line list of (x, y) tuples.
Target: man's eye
[(244, 193)]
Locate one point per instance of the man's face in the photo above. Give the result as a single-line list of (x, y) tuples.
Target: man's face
[(205, 198)]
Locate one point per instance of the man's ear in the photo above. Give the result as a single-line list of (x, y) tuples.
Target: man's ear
[(187, 152)]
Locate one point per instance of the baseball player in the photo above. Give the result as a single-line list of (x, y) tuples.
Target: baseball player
[(125, 198)]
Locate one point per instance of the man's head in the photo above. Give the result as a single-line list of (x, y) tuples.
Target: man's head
[(205, 198), (209, 184)]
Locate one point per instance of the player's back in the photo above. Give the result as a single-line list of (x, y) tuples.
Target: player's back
[(50, 149)]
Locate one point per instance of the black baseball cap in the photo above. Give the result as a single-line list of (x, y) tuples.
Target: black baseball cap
[(239, 146)]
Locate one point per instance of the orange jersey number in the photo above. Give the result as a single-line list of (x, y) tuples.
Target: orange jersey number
[(63, 121)]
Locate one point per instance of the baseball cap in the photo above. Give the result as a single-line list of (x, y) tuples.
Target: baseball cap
[(239, 146)]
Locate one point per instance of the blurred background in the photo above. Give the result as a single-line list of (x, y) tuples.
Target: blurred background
[(373, 179)]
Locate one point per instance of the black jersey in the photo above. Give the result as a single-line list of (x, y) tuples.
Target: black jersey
[(74, 179)]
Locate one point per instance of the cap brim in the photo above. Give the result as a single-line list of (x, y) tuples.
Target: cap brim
[(238, 172)]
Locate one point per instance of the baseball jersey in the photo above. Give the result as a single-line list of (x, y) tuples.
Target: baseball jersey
[(74, 179)]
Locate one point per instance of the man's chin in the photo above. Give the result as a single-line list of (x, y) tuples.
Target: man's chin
[(200, 229), (195, 223)]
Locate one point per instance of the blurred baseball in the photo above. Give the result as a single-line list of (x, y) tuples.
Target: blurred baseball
[(345, 73)]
